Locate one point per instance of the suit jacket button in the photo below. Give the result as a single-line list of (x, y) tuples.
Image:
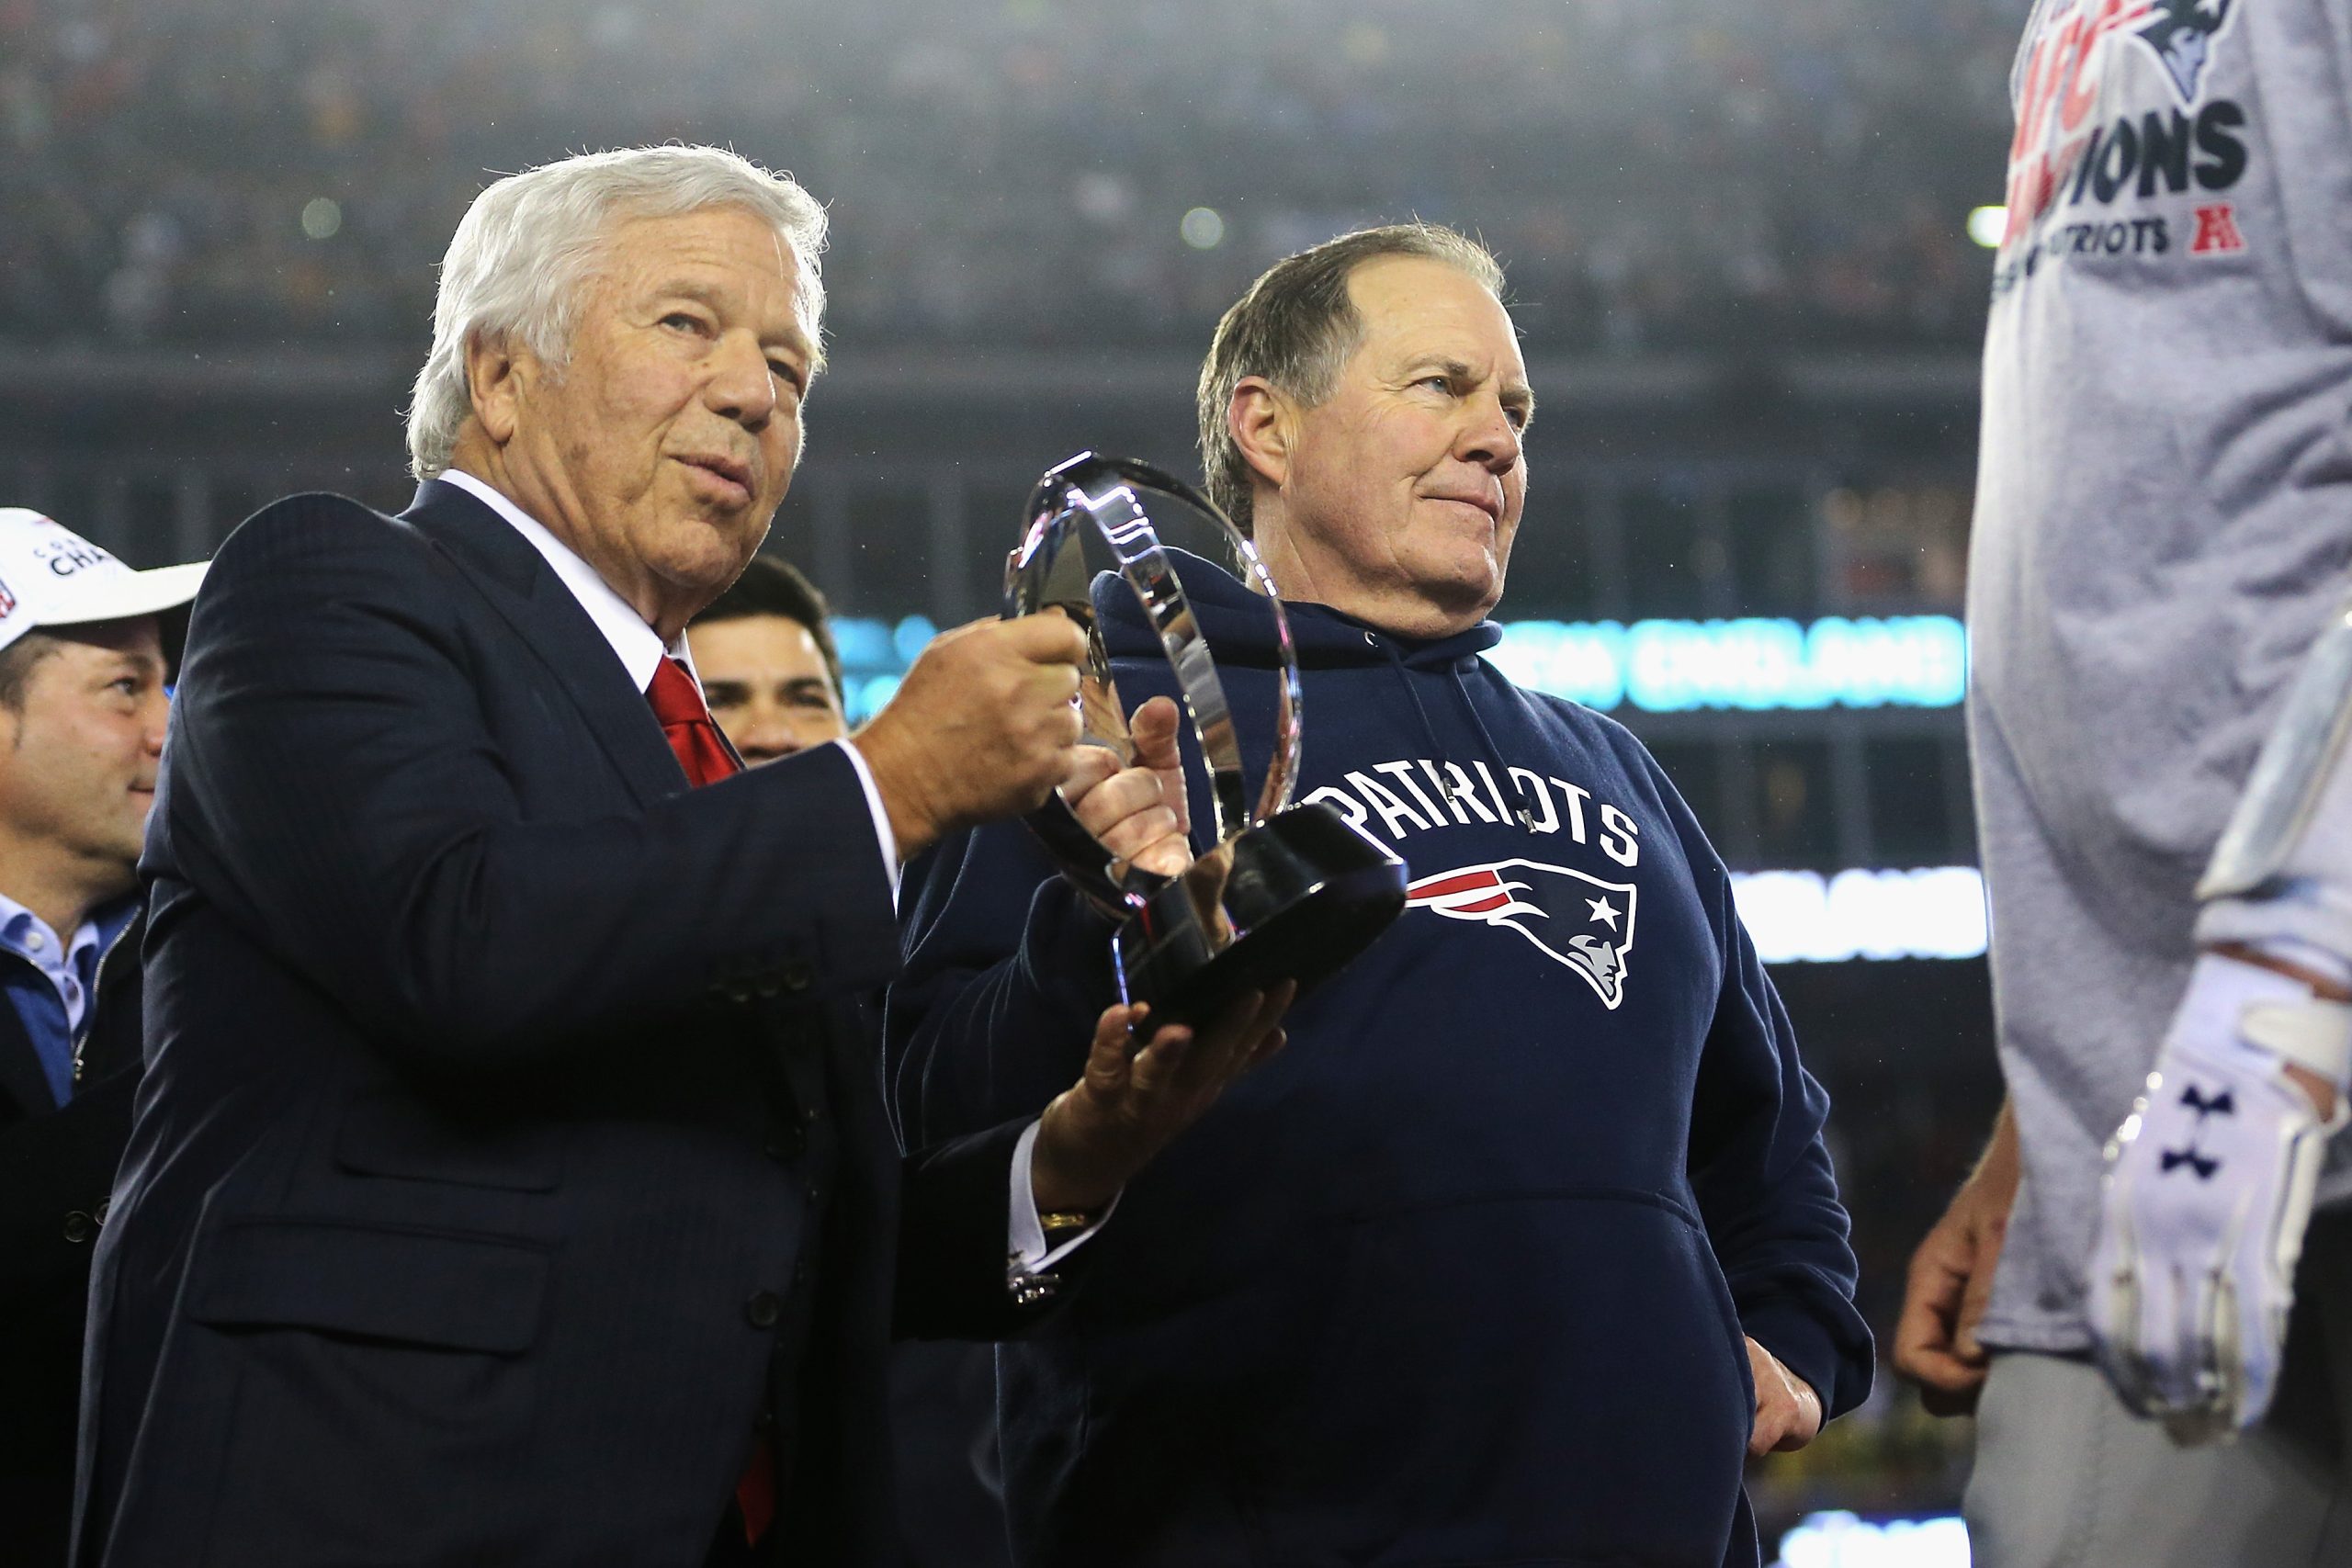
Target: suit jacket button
[(764, 1309), (78, 1226)]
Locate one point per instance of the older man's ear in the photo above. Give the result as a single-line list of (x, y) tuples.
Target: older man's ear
[(492, 382), (1261, 419)]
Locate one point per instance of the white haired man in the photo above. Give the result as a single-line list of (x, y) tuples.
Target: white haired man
[(510, 1182)]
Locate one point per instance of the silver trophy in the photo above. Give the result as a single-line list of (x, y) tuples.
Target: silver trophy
[(1287, 893)]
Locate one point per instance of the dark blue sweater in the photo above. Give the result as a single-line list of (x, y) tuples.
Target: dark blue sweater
[(1461, 1277)]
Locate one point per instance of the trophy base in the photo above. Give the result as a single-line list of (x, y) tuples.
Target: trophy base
[(1295, 898)]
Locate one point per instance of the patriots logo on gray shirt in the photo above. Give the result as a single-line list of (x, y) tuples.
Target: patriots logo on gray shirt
[(2182, 35)]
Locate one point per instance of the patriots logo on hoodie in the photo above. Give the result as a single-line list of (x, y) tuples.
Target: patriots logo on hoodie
[(2182, 33), (1576, 919)]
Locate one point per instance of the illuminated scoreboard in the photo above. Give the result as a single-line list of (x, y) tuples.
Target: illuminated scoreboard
[(1754, 664)]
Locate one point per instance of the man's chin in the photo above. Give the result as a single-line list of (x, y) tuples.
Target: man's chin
[(125, 854), (705, 553), (1467, 594), (1428, 614)]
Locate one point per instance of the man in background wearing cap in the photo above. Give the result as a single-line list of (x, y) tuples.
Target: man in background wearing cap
[(82, 709)]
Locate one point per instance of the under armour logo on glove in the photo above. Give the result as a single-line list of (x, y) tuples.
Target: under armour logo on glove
[(2175, 1158), (2192, 1157), (2191, 1282), (2219, 1105)]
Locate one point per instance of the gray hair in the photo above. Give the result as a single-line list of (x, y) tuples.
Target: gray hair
[(526, 249), (1296, 326)]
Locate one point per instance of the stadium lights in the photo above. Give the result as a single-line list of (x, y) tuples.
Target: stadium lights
[(1987, 224), (1203, 228), (1846, 1540), (1803, 917)]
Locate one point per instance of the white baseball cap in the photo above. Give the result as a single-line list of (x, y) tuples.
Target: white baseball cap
[(51, 576)]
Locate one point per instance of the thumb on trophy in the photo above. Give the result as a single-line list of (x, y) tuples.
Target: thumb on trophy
[(1153, 729), (1126, 811)]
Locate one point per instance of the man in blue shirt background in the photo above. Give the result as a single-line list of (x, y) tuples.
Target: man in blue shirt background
[(81, 713)]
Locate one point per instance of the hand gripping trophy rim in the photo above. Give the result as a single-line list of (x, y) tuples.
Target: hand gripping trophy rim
[(1287, 892), (1093, 490)]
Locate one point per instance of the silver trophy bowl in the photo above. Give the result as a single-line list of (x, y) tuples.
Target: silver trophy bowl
[(1286, 892)]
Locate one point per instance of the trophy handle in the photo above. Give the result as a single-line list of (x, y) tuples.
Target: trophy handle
[(1098, 492)]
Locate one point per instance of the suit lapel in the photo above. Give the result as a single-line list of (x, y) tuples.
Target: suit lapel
[(521, 586)]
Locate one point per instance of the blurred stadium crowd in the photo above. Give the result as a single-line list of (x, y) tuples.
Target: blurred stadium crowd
[(1657, 174)]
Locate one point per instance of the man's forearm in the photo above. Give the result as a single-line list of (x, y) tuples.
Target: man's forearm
[(2000, 1168), (975, 1034)]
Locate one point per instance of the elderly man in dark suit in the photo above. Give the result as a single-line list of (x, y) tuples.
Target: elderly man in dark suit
[(511, 1183)]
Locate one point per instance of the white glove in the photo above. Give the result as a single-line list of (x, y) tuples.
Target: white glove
[(2207, 1189)]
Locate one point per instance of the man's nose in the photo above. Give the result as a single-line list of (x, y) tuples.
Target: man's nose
[(741, 386), (765, 733), (1489, 438), (156, 720)]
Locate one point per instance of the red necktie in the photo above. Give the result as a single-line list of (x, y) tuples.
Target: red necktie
[(687, 723)]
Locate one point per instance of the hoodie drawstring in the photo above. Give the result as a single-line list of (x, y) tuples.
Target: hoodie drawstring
[(1526, 812), (1437, 747)]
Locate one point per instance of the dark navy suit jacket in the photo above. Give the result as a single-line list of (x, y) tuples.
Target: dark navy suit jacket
[(510, 1149), (56, 1168)]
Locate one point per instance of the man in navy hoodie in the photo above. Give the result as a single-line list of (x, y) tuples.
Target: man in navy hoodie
[(1530, 1239)]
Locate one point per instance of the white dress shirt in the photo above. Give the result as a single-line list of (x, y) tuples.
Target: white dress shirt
[(641, 650)]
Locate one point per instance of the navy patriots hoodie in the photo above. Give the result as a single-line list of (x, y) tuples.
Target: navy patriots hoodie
[(1460, 1277)]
